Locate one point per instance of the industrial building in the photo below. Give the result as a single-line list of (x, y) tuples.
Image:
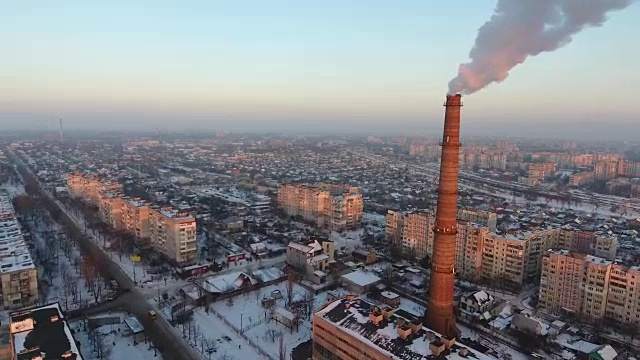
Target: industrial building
[(353, 328)]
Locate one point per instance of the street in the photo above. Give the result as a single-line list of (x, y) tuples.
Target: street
[(159, 331)]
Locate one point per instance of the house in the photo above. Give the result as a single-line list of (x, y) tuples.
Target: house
[(359, 281), (233, 223), (365, 256), (526, 324), (474, 305), (390, 298), (284, 317), (311, 258)]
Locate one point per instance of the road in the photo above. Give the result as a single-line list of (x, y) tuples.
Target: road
[(160, 332)]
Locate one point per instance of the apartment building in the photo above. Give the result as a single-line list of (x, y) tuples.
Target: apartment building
[(590, 286), (110, 205), (412, 232), (89, 187), (335, 207), (628, 168), (469, 250), (485, 218), (18, 274), (542, 170), (581, 178), (135, 217), (353, 328), (605, 170), (312, 258), (173, 233)]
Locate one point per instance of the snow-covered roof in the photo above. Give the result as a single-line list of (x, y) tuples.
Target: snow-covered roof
[(48, 319), (480, 297), (352, 317), (227, 282), (389, 295), (269, 274), (14, 254), (361, 278), (133, 324)]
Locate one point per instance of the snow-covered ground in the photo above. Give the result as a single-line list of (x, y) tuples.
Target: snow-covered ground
[(116, 339), (247, 313), (347, 240)]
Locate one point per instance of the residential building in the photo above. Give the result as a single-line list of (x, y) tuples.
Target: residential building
[(605, 170), (110, 205), (18, 273), (393, 226), (469, 250), (574, 282), (581, 178), (40, 333), (312, 258), (485, 218), (476, 304), (353, 328), (89, 187), (590, 286), (335, 207), (635, 191), (365, 256), (542, 170), (173, 233), (628, 168), (135, 217)]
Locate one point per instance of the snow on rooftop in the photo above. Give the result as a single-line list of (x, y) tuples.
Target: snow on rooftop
[(14, 254), (133, 324), (352, 318), (361, 278)]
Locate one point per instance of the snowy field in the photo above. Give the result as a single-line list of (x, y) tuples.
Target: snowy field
[(114, 341)]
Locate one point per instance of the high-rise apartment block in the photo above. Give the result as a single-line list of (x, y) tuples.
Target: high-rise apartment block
[(590, 286), (480, 253), (135, 217), (542, 170), (335, 207), (18, 274), (89, 187), (605, 170), (173, 233), (170, 232), (412, 232), (111, 205), (581, 178)]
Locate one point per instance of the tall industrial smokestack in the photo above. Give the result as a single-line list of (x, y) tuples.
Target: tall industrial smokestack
[(439, 316), (61, 134)]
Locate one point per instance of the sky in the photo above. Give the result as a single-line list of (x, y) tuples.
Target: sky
[(332, 66)]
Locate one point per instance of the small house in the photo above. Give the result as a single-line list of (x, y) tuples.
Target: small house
[(390, 298), (365, 256)]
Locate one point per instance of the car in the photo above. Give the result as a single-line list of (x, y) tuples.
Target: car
[(153, 315)]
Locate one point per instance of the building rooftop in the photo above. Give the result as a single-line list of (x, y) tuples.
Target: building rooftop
[(361, 278), (42, 330), (352, 316), (174, 214), (14, 254)]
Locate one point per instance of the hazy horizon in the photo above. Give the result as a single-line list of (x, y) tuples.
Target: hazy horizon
[(293, 67)]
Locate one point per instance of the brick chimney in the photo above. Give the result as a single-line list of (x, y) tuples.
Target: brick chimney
[(440, 316)]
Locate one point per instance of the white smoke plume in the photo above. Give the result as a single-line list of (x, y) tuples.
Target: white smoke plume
[(522, 28)]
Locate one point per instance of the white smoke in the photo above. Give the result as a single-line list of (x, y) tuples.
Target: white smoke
[(522, 28)]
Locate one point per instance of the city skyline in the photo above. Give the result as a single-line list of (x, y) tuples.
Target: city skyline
[(292, 67)]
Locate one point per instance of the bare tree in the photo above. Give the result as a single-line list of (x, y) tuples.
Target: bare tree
[(282, 349)]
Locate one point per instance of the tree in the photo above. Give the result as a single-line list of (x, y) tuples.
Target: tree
[(230, 301), (282, 349)]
